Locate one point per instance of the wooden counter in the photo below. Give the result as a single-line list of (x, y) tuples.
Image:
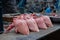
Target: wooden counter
[(9, 17)]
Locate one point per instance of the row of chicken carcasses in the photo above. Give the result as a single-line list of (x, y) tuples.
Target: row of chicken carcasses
[(25, 23)]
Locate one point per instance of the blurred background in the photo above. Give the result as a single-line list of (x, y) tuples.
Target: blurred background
[(15, 6)]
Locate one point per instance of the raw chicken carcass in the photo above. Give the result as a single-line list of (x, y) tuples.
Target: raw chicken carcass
[(34, 15), (47, 21), (32, 25), (27, 16), (11, 26), (40, 22), (21, 26)]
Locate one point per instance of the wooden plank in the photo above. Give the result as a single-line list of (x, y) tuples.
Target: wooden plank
[(9, 17)]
